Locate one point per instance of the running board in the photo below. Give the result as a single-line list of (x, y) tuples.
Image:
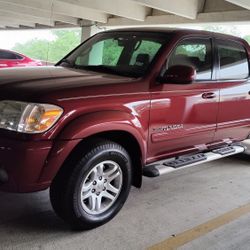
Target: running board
[(173, 164)]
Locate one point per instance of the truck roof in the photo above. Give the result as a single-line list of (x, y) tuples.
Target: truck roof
[(177, 31)]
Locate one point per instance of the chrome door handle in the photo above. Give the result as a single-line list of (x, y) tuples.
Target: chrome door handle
[(208, 95)]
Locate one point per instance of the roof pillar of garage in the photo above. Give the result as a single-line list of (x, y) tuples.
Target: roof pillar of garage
[(88, 30)]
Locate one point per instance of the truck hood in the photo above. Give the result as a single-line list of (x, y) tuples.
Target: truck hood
[(22, 83)]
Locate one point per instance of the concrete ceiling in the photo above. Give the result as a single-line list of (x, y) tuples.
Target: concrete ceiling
[(16, 14)]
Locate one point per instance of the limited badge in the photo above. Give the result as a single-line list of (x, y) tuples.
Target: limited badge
[(169, 128)]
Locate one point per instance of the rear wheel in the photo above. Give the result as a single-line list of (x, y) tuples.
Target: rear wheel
[(92, 192)]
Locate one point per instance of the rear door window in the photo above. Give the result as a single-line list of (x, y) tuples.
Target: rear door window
[(233, 61)]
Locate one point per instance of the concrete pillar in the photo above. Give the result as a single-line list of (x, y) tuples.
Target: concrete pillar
[(88, 31)]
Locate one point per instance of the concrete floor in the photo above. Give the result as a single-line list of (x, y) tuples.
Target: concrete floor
[(165, 206)]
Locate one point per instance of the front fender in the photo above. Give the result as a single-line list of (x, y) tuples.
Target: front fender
[(103, 121), (88, 125)]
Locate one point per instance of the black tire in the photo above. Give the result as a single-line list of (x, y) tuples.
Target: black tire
[(66, 187)]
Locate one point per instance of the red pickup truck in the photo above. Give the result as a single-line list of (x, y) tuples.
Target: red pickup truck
[(124, 104)]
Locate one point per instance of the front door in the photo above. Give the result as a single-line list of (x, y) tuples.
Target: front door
[(183, 116)]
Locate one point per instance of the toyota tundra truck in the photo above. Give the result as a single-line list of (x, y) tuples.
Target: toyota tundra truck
[(124, 104)]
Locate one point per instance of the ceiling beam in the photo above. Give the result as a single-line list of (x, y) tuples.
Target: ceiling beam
[(79, 12), (242, 3), (10, 23), (241, 16), (127, 9), (26, 10), (65, 19), (26, 18), (182, 8), (16, 26), (62, 8)]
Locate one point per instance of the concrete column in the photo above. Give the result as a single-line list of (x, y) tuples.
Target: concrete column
[(97, 50), (88, 31)]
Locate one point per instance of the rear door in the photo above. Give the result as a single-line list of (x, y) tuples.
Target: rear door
[(183, 116), (233, 79)]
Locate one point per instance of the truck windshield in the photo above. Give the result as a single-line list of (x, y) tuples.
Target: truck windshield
[(121, 53)]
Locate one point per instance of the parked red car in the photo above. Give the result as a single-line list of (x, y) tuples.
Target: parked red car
[(12, 59), (124, 104)]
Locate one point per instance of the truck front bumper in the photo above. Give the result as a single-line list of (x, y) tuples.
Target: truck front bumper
[(21, 163)]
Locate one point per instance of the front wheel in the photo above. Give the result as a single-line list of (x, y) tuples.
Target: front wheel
[(96, 188)]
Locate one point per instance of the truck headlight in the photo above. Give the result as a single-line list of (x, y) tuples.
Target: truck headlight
[(29, 118)]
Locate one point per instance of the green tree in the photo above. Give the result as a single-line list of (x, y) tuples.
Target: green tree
[(52, 51), (230, 30), (112, 51), (247, 38), (37, 49)]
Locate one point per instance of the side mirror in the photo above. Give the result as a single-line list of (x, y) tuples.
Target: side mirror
[(179, 74)]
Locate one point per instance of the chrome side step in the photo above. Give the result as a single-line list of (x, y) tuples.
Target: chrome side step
[(174, 164)]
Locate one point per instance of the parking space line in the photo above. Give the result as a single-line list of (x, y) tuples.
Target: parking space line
[(200, 230)]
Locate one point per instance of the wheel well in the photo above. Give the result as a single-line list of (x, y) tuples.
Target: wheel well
[(123, 138), (128, 141)]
